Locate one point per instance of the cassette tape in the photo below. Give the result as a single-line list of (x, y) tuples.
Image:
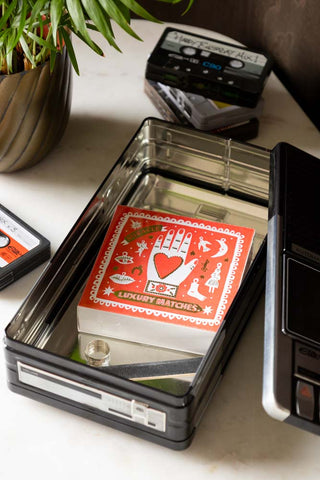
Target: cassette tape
[(207, 114), (21, 248), (239, 130), (208, 67)]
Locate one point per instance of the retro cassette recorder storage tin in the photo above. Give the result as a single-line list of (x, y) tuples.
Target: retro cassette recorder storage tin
[(153, 392)]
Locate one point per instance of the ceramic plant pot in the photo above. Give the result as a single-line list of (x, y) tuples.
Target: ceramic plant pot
[(34, 111)]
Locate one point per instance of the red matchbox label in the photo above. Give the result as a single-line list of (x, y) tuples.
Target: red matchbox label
[(168, 268)]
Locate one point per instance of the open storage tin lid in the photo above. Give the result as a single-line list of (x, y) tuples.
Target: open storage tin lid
[(169, 168)]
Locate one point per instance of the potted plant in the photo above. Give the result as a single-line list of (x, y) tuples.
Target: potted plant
[(36, 55)]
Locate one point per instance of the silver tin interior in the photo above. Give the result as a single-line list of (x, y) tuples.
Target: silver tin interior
[(167, 168)]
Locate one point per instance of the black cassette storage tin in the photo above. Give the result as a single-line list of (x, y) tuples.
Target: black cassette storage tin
[(169, 168), (209, 67)]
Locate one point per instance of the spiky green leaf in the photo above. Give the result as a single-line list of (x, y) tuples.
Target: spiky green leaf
[(9, 49), (79, 22), (7, 14), (124, 10), (26, 50), (56, 9), (116, 14), (66, 37), (174, 2), (41, 41), (99, 19), (35, 12), (138, 10), (21, 17), (97, 48), (11, 41), (188, 7), (53, 56)]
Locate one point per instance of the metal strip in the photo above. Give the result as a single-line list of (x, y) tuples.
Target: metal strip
[(132, 410)]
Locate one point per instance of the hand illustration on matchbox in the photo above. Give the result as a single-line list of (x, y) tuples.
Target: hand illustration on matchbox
[(167, 266), (164, 279)]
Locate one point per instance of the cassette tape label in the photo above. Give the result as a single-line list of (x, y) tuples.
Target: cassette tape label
[(11, 251), (21, 248), (15, 240), (197, 50)]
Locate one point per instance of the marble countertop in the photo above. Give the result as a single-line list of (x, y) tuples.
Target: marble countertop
[(236, 439)]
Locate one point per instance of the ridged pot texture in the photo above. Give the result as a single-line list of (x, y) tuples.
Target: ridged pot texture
[(34, 111)]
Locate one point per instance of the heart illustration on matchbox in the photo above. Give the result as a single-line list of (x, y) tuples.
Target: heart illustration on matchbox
[(166, 265)]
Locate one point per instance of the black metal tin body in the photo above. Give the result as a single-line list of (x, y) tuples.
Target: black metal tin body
[(178, 170)]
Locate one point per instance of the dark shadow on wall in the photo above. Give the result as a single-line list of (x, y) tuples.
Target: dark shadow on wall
[(287, 29)]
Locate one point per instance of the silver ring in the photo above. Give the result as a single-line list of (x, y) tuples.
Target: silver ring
[(97, 353)]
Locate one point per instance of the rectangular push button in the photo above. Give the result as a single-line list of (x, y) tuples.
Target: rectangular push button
[(305, 400)]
